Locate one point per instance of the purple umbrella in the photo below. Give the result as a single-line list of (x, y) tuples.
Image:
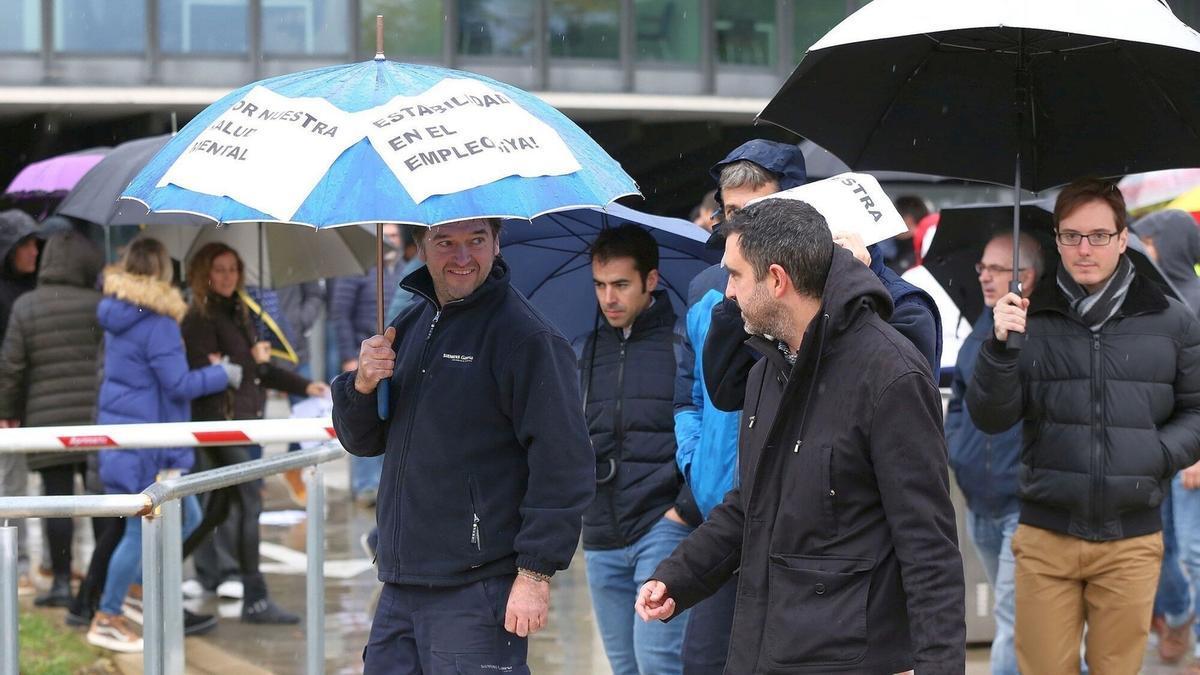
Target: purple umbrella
[(55, 176)]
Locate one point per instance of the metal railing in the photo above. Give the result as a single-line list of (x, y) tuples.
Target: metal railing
[(162, 546)]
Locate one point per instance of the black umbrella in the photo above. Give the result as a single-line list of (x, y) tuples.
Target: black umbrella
[(1025, 94), (963, 232)]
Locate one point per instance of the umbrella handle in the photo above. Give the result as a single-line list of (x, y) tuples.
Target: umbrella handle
[(382, 400), (1015, 341)]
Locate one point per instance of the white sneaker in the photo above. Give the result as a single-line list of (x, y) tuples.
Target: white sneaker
[(193, 589), (112, 633), (230, 590)]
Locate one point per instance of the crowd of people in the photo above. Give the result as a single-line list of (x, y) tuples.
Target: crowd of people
[(760, 479)]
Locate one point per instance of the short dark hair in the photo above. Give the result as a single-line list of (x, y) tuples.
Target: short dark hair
[(1086, 190), (627, 241), (912, 206), (788, 233), (419, 231)]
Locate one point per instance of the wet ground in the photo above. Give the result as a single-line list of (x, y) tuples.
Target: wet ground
[(570, 645)]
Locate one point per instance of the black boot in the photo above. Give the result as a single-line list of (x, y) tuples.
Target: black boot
[(258, 608), (198, 624), (59, 594)]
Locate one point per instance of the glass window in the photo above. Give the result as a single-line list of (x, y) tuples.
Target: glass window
[(305, 27), (814, 18), (746, 32), (203, 26), (668, 30), (585, 29), (100, 26), (412, 28), (495, 27), (21, 29)]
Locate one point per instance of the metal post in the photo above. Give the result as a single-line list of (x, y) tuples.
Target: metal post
[(153, 661), (315, 578), (9, 642), (171, 574)]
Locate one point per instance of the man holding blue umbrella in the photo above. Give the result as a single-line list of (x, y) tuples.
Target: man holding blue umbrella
[(487, 463)]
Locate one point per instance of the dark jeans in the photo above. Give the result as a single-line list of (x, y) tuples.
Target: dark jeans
[(58, 481), (419, 630), (108, 533), (248, 498), (706, 640)]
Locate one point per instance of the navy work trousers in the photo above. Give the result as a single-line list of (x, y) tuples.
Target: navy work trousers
[(419, 630)]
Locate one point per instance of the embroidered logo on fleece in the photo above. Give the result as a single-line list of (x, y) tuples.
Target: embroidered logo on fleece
[(459, 358)]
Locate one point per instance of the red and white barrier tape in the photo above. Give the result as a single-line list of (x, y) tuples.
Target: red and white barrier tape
[(168, 435)]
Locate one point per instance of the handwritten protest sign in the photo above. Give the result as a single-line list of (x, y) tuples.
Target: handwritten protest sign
[(267, 151), (851, 202), (462, 134)]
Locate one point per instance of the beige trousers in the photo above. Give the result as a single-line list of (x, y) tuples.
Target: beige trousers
[(1064, 582)]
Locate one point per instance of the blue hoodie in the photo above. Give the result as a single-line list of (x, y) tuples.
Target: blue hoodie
[(146, 376)]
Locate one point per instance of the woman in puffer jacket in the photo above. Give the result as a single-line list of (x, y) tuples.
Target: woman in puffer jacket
[(146, 379)]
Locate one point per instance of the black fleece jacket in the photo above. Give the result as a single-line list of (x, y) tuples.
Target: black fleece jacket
[(487, 463)]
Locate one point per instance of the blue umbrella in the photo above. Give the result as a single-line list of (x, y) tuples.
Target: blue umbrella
[(359, 186), (549, 260)]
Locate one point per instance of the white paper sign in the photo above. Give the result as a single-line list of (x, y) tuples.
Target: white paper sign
[(267, 151), (851, 202), (462, 134)]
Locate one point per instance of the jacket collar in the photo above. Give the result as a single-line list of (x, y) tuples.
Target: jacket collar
[(420, 283), (1144, 297), (153, 294)]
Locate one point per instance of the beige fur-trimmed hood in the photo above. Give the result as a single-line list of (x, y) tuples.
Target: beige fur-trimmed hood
[(157, 296)]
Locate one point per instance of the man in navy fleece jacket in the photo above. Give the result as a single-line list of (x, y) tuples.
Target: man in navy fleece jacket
[(488, 467)]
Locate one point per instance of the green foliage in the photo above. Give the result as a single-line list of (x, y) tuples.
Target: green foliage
[(49, 648)]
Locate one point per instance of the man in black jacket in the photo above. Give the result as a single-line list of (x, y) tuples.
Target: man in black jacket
[(627, 369), (841, 524), (1108, 388), (487, 465)]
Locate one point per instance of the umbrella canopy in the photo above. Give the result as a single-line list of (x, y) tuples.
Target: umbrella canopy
[(550, 263), (55, 176), (964, 231), (378, 141), (277, 255), (1155, 188), (962, 88), (95, 198), (821, 163)]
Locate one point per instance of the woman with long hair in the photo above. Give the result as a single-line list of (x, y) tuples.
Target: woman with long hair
[(146, 379), (219, 321)]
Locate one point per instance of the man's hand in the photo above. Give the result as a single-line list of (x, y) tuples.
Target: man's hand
[(1010, 315), (653, 602), (261, 351), (853, 243), (376, 360), (528, 606), (1191, 476)]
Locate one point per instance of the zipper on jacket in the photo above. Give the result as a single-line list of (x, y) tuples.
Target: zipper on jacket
[(412, 416), (475, 539), (1097, 449), (619, 434)]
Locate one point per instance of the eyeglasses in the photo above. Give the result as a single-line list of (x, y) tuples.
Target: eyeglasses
[(1074, 238), (993, 270)]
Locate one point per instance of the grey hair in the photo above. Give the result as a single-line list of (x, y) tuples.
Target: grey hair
[(744, 172), (788, 233), (1031, 251)]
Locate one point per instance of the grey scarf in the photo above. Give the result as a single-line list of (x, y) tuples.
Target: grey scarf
[(1095, 309)]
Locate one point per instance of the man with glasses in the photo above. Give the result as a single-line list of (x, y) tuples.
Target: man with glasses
[(1108, 388), (985, 465)]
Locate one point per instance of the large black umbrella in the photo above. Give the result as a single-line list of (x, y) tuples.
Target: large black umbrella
[(1017, 93), (963, 232)]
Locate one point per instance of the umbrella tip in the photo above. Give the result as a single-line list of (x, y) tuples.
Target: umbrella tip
[(379, 38)]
